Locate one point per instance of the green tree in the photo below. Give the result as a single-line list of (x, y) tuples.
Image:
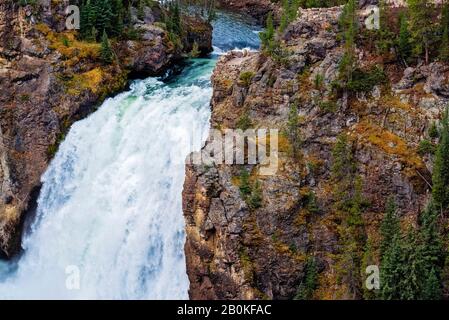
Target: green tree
[(420, 12), (440, 176), (349, 205), (118, 13), (255, 200), (349, 27), (391, 269), (106, 53), (309, 281), (103, 16), (389, 227), (267, 36), (404, 45), (245, 187), (432, 287), (444, 47)]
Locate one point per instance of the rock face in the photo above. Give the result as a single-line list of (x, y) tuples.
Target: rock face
[(258, 9), (238, 251), (49, 79)]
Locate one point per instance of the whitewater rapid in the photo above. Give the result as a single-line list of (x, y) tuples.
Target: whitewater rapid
[(109, 221)]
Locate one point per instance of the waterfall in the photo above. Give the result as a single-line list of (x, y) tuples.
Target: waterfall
[(109, 221)]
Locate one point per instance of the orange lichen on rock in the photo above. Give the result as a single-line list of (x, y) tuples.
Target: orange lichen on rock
[(389, 143)]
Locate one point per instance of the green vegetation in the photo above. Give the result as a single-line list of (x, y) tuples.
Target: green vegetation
[(421, 30), (246, 77), (440, 178), (349, 27), (106, 53), (349, 206), (309, 282), (244, 122), (411, 264), (251, 192), (389, 227), (364, 81), (426, 147)]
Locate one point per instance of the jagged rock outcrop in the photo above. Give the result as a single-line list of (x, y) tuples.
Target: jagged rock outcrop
[(235, 251), (258, 9), (49, 79)]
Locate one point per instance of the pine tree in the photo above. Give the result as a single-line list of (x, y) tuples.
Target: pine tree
[(431, 241), (245, 187), (309, 281), (267, 36), (440, 176), (421, 29), (255, 200), (432, 287), (411, 268), (389, 227), (444, 47), (349, 27), (106, 53), (88, 18), (391, 269), (404, 45), (140, 10), (104, 16), (117, 17)]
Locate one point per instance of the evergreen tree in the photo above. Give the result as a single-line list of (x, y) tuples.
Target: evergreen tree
[(106, 53), (117, 17), (432, 287), (245, 187), (440, 177), (444, 25), (289, 13), (309, 281), (140, 10), (444, 48), (103, 16), (404, 45), (421, 29), (430, 238), (389, 227), (391, 269), (349, 207), (349, 26), (411, 266), (267, 36), (255, 200), (88, 18)]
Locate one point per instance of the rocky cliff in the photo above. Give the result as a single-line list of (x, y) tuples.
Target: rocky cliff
[(237, 249), (49, 79)]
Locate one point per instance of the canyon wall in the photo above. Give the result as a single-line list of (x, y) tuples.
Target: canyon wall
[(236, 249)]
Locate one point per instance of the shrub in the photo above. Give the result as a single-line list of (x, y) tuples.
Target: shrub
[(246, 77), (426, 147), (364, 81), (244, 122)]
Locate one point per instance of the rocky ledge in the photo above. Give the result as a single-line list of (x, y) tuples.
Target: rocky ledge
[(49, 79), (243, 248)]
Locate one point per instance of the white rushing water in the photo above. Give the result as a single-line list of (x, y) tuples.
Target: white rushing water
[(109, 221)]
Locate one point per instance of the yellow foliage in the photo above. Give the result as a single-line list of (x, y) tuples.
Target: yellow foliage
[(67, 44), (389, 143), (89, 80)]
